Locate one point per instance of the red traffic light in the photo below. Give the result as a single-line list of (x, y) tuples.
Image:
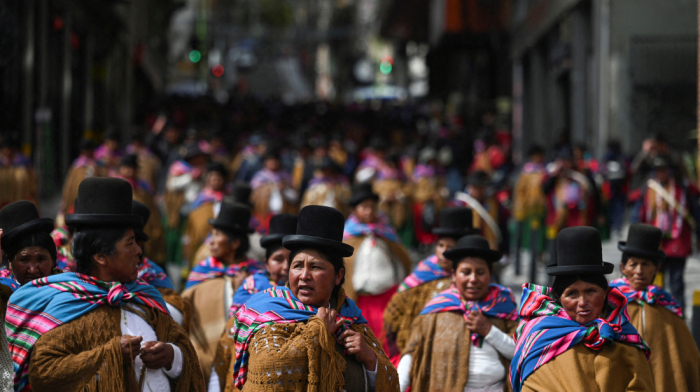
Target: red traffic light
[(217, 70)]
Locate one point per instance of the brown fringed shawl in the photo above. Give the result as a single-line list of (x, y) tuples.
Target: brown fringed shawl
[(85, 355), (405, 306), (171, 297), (440, 344), (303, 357)]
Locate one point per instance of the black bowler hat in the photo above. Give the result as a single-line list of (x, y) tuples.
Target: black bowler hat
[(21, 218), (643, 241), (241, 193), (579, 251), (87, 144), (473, 246), (129, 160), (144, 212), (281, 225), (319, 227), (191, 151), (479, 178), (104, 202), (455, 222), (233, 217), (362, 192), (217, 167)]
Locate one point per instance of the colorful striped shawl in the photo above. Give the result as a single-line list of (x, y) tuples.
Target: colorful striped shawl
[(426, 271), (46, 303), (154, 275), (653, 295), (276, 306), (179, 168), (253, 284), (207, 195), (265, 176), (423, 171), (381, 228), (7, 279), (546, 331), (211, 268), (499, 303)]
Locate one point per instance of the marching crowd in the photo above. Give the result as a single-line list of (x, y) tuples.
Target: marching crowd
[(343, 250)]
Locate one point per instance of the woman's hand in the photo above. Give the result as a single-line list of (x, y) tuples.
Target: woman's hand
[(355, 345), (478, 323), (157, 355), (131, 347), (330, 317)]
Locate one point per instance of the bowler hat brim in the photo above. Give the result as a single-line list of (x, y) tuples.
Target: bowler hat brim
[(98, 220), (604, 269), (141, 236), (271, 239), (458, 254), (452, 232), (298, 241), (230, 227), (643, 253), (42, 225)]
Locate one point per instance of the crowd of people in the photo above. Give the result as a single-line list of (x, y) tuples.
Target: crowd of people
[(339, 250)]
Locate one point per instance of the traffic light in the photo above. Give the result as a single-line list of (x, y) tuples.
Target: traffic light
[(217, 70), (386, 65), (195, 56)]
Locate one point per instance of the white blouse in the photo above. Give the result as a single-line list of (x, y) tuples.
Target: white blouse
[(485, 368), (156, 379)]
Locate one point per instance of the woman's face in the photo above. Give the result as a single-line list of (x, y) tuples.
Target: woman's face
[(215, 181), (366, 212), (278, 265), (583, 301), (312, 278), (444, 244), (123, 265), (32, 263), (639, 272), (220, 246), (472, 278)]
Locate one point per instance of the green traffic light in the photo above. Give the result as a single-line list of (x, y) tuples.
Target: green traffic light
[(385, 67), (195, 56)]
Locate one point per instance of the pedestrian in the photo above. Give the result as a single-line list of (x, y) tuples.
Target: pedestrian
[(666, 205), (462, 339), (576, 335), (276, 273), (380, 263), (675, 364), (311, 328), (430, 277), (213, 281), (61, 326)]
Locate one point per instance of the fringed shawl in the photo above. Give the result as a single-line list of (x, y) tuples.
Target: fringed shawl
[(154, 275), (498, 303), (277, 306), (546, 331), (253, 284), (46, 303), (381, 228), (207, 195), (653, 295), (211, 268), (427, 270)]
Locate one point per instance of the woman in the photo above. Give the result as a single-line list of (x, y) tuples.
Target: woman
[(272, 190), (154, 275), (380, 264), (461, 341), (276, 274), (61, 326), (309, 336), (675, 364), (212, 283), (576, 335), (27, 246), (432, 276)]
